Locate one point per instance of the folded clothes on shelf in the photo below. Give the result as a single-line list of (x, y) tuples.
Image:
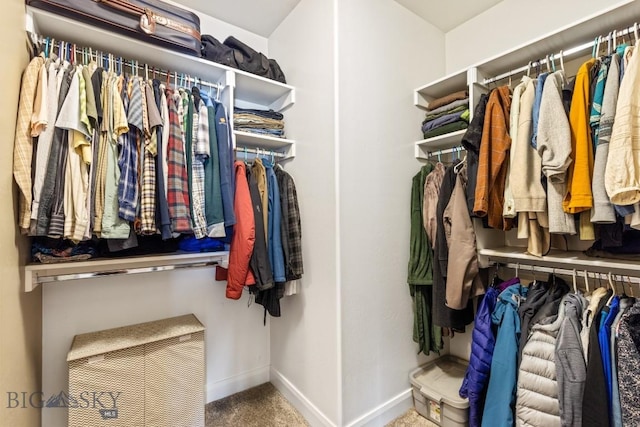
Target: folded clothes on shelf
[(448, 128), (50, 251), (262, 122), (447, 99), (445, 120)]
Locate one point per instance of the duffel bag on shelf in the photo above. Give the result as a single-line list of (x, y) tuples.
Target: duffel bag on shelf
[(236, 54)]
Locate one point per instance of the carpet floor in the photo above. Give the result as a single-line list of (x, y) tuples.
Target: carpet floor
[(264, 406)]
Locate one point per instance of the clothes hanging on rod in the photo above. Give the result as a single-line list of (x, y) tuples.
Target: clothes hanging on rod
[(118, 156), (573, 354)]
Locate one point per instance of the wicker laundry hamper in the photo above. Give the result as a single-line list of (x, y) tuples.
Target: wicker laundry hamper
[(150, 374)]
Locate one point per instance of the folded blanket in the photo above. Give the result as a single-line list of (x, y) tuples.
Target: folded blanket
[(448, 128), (439, 102)]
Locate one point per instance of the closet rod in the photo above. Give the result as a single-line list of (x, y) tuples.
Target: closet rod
[(458, 149), (77, 276), (119, 61), (259, 151), (559, 55), (565, 272)]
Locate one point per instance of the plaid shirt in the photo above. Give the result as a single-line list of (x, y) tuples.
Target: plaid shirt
[(199, 153), (177, 190), (148, 200), (23, 147), (128, 158), (291, 228)]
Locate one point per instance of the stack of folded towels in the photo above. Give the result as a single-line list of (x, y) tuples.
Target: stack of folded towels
[(447, 114), (263, 122)]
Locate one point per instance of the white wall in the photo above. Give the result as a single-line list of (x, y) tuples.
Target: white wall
[(385, 51), (237, 344), (221, 30), (305, 341), (511, 23)]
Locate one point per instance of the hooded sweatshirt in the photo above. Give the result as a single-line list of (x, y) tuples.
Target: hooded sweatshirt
[(498, 408), (571, 368)]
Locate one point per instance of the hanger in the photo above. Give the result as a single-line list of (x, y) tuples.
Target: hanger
[(548, 61), (630, 286), (457, 168), (517, 269), (575, 285), (635, 32), (586, 282), (529, 69), (553, 62), (612, 287)]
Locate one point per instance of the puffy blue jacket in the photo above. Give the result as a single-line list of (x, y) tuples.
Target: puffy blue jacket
[(474, 385), (501, 394)]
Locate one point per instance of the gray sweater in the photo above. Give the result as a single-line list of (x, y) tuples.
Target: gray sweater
[(554, 146), (603, 212), (571, 368)]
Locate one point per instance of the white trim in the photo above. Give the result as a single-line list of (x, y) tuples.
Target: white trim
[(336, 138), (387, 411), (237, 383), (309, 411)]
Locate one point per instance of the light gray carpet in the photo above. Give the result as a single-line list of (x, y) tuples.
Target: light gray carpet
[(264, 406), (411, 419), (261, 406)]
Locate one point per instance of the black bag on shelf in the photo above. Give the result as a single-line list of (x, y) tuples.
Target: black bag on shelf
[(152, 21), (214, 50), (236, 54)]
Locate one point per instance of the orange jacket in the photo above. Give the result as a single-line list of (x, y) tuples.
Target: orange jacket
[(244, 236), (492, 161)]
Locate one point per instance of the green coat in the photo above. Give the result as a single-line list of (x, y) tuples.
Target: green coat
[(420, 271)]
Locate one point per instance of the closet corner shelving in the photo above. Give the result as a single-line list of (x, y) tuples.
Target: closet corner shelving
[(239, 89), (461, 80), (575, 41)]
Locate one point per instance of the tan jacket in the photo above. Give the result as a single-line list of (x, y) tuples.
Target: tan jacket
[(432, 185), (463, 281)]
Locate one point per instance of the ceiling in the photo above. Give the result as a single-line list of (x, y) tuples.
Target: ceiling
[(444, 14), (263, 17), (259, 17)]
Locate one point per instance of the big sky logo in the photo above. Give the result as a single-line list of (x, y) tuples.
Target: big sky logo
[(105, 401)]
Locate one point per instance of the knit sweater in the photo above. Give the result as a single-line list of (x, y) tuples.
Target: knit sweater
[(554, 146)]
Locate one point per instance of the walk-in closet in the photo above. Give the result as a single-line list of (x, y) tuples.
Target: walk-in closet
[(395, 212)]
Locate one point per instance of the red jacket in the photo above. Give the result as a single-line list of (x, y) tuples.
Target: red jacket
[(244, 236)]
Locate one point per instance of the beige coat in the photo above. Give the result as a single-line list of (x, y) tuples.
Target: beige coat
[(463, 281)]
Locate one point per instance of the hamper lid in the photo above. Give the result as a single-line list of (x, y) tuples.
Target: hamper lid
[(441, 379), (108, 340)]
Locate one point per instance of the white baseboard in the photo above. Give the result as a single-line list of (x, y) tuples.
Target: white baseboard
[(314, 416), (237, 383), (385, 412)]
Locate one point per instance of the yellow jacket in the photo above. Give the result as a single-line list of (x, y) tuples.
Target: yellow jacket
[(579, 197)]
